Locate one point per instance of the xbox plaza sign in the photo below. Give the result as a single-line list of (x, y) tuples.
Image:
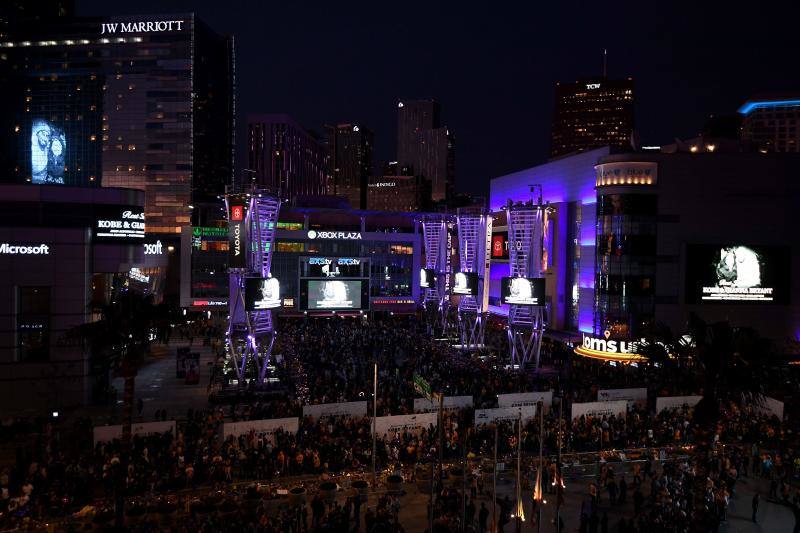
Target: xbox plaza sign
[(340, 235)]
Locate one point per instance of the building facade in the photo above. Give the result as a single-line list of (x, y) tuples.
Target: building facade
[(142, 102), (350, 148), (380, 252), (592, 113), (425, 146), (772, 124), (63, 253), (287, 158), (639, 239), (396, 193)]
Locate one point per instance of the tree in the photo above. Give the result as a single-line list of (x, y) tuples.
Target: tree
[(729, 364), (120, 339)]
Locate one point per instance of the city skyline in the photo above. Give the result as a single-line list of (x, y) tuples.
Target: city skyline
[(492, 71)]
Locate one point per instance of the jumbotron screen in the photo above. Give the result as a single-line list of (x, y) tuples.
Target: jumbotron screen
[(737, 273), (334, 294), (261, 293), (522, 291), (466, 283), (427, 278)]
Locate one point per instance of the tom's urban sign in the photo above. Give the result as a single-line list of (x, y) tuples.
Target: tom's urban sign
[(608, 348), (141, 26)]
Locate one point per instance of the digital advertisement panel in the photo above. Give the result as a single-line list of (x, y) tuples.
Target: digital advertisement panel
[(48, 153), (500, 245), (237, 233), (261, 293), (334, 295), (466, 283), (522, 291), (737, 273), (118, 224), (57, 130), (427, 278)]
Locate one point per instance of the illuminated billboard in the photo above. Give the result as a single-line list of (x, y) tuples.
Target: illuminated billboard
[(261, 293), (237, 232), (48, 152), (118, 224), (737, 273), (57, 126), (522, 291), (334, 294), (466, 283), (500, 245), (427, 278)]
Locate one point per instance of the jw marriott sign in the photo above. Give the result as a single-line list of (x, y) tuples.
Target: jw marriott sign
[(141, 27)]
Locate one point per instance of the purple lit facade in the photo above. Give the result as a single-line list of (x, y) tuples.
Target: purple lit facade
[(626, 227), (568, 185)]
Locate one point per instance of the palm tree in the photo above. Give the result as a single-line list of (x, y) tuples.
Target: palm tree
[(728, 363), (120, 339)]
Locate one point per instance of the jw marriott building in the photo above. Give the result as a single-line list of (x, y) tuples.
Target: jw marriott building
[(142, 102)]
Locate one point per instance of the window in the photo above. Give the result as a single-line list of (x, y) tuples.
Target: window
[(33, 323)]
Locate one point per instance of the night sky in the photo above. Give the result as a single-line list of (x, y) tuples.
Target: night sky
[(493, 66)]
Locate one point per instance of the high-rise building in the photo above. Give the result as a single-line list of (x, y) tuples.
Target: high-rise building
[(286, 157), (14, 11), (772, 124), (592, 113), (425, 146), (396, 193), (143, 102), (350, 149)]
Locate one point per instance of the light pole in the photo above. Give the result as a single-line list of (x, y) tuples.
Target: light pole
[(374, 424)]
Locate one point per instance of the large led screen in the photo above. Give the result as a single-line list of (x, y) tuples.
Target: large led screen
[(427, 278), (466, 283), (522, 291), (57, 135), (333, 294), (737, 273), (48, 152), (261, 293)]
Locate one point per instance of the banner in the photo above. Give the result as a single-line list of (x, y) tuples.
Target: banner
[(504, 414), (267, 426), (348, 409), (770, 406), (450, 403), (385, 425), (634, 396), (526, 398), (599, 409), (109, 433), (237, 232), (675, 402)]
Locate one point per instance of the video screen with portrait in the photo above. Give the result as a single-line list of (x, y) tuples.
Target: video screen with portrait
[(522, 291), (737, 273), (261, 293), (334, 294), (466, 283)]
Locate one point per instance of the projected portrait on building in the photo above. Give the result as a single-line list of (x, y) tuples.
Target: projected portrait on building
[(48, 152)]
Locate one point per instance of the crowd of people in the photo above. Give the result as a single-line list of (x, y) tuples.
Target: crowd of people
[(60, 469)]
